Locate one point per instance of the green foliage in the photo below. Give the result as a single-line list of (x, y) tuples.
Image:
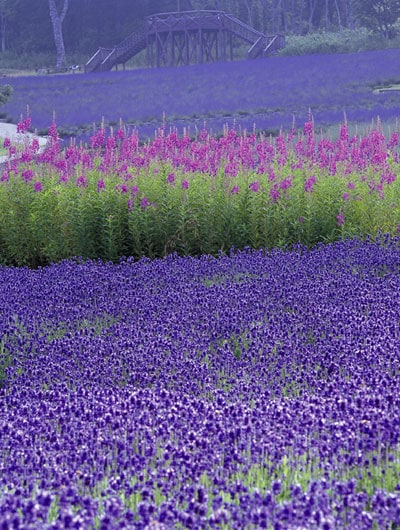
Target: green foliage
[(195, 214), (5, 93), (378, 15), (346, 41)]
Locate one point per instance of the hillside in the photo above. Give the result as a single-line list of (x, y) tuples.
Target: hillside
[(269, 93)]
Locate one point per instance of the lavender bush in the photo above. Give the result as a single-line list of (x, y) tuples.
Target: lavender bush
[(269, 93), (257, 390)]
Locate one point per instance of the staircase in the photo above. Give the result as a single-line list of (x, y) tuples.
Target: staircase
[(262, 45), (105, 58)]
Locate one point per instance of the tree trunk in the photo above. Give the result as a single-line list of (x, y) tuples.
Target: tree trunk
[(57, 21), (3, 24), (339, 16), (327, 16)]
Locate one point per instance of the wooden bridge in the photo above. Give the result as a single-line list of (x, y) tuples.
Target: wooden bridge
[(186, 37)]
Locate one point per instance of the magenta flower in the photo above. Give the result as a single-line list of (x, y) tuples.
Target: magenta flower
[(286, 183), (38, 186), (350, 185), (301, 219), (27, 175), (308, 128), (345, 196), (310, 183), (144, 203), (24, 125), (6, 143), (274, 194), (101, 185), (123, 188), (235, 190), (254, 186), (340, 218), (81, 182), (171, 178), (185, 184)]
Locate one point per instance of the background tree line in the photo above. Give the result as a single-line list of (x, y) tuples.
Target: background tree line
[(26, 26)]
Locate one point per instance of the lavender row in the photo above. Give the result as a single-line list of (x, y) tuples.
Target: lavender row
[(269, 93), (256, 390)]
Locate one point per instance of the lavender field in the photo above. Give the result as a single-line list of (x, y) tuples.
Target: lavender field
[(258, 390), (202, 331), (269, 93)]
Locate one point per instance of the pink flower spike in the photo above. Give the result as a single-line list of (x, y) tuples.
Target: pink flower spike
[(101, 185), (254, 186), (171, 178), (27, 175), (81, 182), (145, 203), (309, 184), (340, 218)]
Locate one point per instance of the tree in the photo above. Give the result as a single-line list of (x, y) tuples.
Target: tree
[(378, 15), (5, 92), (57, 21), (7, 9)]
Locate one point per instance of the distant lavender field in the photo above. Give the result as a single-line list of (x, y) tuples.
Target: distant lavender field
[(266, 93)]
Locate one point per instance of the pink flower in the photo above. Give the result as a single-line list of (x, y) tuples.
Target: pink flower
[(24, 125), (123, 188), (101, 185), (38, 186), (309, 184), (254, 186), (27, 175), (286, 183), (274, 194), (144, 203), (350, 185), (171, 178), (235, 190), (308, 127), (6, 143), (185, 184), (301, 219), (81, 182), (340, 218), (345, 196)]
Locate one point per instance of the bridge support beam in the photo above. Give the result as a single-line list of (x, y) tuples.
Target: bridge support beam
[(176, 48)]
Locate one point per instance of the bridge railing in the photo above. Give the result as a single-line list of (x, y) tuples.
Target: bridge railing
[(125, 49), (241, 29), (96, 59), (277, 42)]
